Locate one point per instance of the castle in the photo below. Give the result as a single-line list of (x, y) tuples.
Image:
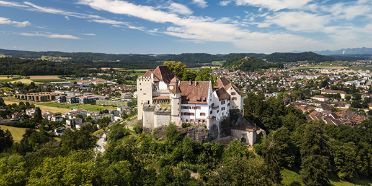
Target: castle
[(162, 98)]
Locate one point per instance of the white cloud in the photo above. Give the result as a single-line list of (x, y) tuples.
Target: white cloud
[(179, 9), (67, 14), (297, 21), (225, 2), (202, 29), (11, 4), (90, 34), (349, 11), (200, 3), (274, 4), (7, 21), (50, 35)]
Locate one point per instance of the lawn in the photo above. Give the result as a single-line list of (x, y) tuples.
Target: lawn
[(17, 133), (291, 177)]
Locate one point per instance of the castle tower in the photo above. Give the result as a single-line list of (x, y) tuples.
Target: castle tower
[(144, 93), (175, 101)]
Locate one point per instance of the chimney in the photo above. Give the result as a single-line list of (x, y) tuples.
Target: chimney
[(190, 82), (196, 83)]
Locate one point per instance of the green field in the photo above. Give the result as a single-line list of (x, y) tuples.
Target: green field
[(293, 178), (17, 133), (88, 107), (55, 107)]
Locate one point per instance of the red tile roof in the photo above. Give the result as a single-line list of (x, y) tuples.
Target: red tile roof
[(195, 92)]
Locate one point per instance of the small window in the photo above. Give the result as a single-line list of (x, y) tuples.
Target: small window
[(223, 108), (234, 98), (233, 93), (202, 114)]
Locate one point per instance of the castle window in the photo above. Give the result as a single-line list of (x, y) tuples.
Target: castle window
[(202, 114), (233, 93), (210, 112), (223, 102), (234, 98)]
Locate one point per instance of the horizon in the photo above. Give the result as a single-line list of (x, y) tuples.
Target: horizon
[(180, 26)]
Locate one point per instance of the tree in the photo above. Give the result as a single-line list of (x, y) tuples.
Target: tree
[(117, 173), (79, 139), (314, 141), (240, 171), (315, 152), (37, 115), (12, 170), (279, 151), (68, 170), (177, 67), (6, 140), (314, 170), (2, 102), (189, 75), (345, 160)]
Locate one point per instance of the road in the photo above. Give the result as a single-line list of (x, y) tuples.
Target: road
[(101, 143)]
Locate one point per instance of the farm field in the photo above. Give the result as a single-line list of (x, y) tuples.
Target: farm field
[(30, 79), (17, 133), (55, 107), (293, 178)]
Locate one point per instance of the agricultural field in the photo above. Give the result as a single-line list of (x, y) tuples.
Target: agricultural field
[(17, 133), (293, 178), (55, 107), (88, 107), (30, 79), (44, 79)]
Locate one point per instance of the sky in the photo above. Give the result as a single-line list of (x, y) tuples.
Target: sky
[(184, 26)]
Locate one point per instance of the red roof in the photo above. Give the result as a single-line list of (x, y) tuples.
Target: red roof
[(195, 92)]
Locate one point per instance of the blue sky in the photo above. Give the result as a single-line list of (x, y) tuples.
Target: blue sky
[(179, 26)]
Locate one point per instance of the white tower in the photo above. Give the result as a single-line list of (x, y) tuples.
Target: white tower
[(175, 101), (144, 94)]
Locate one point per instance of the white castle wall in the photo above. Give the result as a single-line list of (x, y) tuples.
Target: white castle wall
[(161, 120)]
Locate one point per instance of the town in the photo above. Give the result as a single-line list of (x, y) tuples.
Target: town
[(214, 103)]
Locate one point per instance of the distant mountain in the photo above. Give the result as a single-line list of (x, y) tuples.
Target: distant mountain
[(295, 57), (249, 64), (150, 60), (347, 51)]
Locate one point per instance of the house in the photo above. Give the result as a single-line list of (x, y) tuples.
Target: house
[(55, 118), (334, 92), (59, 131), (320, 98), (162, 98), (74, 123), (30, 112)]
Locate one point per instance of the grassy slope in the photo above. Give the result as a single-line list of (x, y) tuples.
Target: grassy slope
[(290, 177), (17, 133)]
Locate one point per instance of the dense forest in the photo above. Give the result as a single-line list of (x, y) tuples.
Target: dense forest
[(249, 64), (294, 57)]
